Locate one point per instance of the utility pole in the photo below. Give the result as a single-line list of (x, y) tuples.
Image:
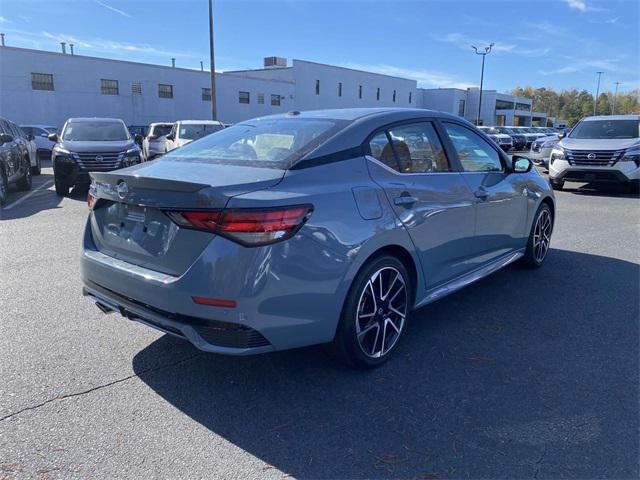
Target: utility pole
[(595, 103), (214, 109), (486, 52), (615, 97)]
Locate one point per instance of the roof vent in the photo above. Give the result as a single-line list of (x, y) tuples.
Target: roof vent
[(275, 62)]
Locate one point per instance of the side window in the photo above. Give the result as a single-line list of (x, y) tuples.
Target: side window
[(418, 148), (381, 150), (475, 154)]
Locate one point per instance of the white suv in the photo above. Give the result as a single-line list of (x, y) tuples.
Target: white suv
[(186, 131), (604, 149)]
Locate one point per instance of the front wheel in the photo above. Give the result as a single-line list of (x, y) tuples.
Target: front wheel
[(61, 188), (4, 186), (374, 314), (25, 182), (38, 167), (539, 238)]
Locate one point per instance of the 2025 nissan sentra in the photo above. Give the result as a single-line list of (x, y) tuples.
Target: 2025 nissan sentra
[(307, 228)]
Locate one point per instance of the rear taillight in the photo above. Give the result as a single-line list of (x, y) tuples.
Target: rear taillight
[(91, 196), (249, 227)]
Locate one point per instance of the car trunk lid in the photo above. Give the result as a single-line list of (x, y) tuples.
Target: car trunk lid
[(129, 223)]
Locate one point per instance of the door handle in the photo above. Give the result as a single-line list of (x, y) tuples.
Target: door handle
[(406, 200)]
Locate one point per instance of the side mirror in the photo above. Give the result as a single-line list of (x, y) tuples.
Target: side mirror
[(5, 138), (53, 137), (561, 135), (171, 137), (521, 164), (138, 138)]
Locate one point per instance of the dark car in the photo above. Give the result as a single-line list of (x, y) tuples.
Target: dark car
[(518, 138), (91, 145), (15, 165)]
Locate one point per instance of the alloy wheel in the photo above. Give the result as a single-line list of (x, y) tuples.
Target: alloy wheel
[(381, 312), (542, 235)]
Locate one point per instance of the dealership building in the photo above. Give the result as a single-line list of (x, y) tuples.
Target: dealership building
[(42, 87)]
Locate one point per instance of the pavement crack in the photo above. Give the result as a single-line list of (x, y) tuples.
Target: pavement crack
[(100, 387), (538, 464)]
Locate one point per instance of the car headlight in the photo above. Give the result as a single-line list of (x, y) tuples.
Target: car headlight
[(61, 150), (632, 155), (557, 154), (131, 157)]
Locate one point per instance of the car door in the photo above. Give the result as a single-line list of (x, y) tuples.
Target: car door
[(500, 198), (11, 152), (428, 195)]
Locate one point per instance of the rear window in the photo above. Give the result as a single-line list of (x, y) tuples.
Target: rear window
[(161, 130), (95, 132), (606, 129), (193, 131), (267, 143)]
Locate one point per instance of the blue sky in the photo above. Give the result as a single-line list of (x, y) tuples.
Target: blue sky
[(552, 43)]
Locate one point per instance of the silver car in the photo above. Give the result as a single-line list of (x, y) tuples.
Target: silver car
[(307, 228), (155, 143)]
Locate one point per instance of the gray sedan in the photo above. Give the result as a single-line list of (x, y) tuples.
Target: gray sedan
[(307, 228)]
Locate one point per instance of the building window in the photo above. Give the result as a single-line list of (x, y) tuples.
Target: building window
[(165, 91), (410, 96), (42, 81), (108, 87), (275, 100), (317, 87), (461, 108), (261, 98), (360, 91), (378, 94), (394, 95), (339, 89), (136, 88), (206, 94), (523, 106), (243, 97)]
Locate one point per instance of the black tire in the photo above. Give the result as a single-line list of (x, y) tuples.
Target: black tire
[(25, 182), (62, 189), (348, 346), (533, 256), (556, 184), (4, 187), (38, 168)]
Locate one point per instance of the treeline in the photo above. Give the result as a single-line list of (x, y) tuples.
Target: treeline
[(572, 105)]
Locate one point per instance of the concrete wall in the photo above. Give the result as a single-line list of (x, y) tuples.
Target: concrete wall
[(77, 90)]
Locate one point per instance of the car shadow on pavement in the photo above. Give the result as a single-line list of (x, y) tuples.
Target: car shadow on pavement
[(523, 374), (39, 200), (620, 191)]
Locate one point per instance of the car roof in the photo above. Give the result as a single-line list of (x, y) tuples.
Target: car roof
[(95, 119), (354, 114), (611, 117), (38, 126), (200, 122)]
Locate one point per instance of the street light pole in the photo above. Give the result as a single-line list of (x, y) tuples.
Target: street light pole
[(486, 52), (615, 97), (595, 103), (214, 109)]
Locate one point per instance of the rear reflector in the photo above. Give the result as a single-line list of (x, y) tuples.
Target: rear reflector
[(214, 302), (250, 227)]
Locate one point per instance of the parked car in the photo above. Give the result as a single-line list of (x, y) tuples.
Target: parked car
[(40, 135), (91, 145), (517, 137), (600, 149), (185, 131), (503, 140), (34, 159), (541, 149), (313, 227), (155, 143), (15, 165), (530, 135)]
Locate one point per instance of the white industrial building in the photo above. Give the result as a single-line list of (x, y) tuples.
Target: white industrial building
[(41, 87)]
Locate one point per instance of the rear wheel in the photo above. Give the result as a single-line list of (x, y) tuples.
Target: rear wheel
[(539, 238), (374, 314), (25, 182), (62, 189)]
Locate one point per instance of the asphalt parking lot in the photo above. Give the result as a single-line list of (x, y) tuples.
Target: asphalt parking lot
[(526, 374)]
